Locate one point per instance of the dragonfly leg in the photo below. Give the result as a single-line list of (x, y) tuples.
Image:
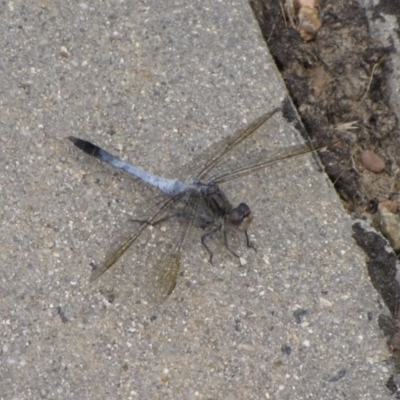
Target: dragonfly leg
[(141, 221), (205, 237), (226, 241), (248, 241), (183, 216), (147, 222)]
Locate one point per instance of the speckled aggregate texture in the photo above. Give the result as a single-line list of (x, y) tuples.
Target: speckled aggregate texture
[(157, 82)]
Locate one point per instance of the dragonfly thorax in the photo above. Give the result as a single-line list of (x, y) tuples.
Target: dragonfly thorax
[(215, 199), (239, 218)]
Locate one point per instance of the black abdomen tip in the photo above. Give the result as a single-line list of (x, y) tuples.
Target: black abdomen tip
[(84, 145)]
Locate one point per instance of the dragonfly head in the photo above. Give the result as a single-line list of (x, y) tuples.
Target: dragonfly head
[(240, 217)]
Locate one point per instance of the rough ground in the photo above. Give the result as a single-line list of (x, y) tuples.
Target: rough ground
[(156, 84), (338, 83)]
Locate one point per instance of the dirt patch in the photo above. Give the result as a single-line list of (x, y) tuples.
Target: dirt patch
[(338, 82)]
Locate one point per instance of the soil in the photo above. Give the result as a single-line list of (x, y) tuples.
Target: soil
[(338, 83)]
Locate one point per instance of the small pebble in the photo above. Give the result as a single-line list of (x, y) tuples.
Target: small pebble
[(389, 225), (325, 303), (390, 205), (64, 52), (372, 161), (83, 6)]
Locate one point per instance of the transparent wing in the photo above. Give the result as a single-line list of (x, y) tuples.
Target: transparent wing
[(168, 269), (155, 214), (211, 157), (164, 263), (241, 154), (262, 160)]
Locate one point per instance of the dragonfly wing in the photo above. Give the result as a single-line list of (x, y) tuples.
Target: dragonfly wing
[(260, 160), (206, 161), (116, 254), (170, 266)]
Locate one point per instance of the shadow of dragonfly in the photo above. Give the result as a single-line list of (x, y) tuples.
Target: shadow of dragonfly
[(200, 202)]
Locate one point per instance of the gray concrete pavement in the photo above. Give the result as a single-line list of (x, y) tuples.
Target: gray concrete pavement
[(156, 82)]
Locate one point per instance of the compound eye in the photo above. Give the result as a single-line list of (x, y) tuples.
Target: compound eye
[(240, 217)]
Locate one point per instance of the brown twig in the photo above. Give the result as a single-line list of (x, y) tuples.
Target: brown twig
[(369, 83), (283, 13)]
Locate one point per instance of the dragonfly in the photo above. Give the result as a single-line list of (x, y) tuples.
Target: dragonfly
[(199, 201)]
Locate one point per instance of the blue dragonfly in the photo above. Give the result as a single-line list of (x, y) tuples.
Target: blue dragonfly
[(198, 202)]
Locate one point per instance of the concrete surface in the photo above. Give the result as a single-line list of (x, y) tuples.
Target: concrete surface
[(156, 82)]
